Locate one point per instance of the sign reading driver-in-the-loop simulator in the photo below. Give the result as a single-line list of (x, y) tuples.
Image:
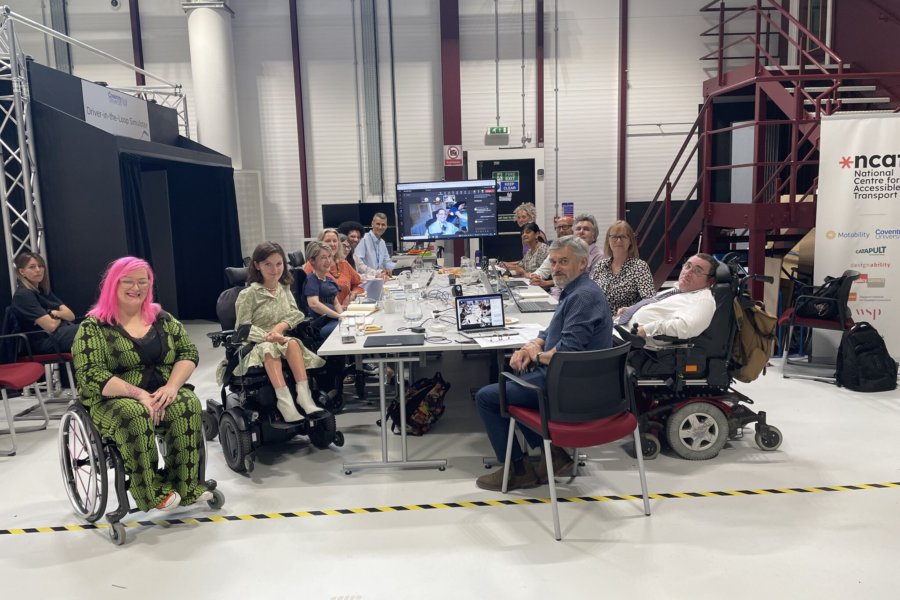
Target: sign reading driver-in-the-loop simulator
[(508, 181), (115, 112)]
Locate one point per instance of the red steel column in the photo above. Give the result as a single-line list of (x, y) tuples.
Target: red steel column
[(450, 93), (539, 60), (623, 102), (137, 42), (298, 103)]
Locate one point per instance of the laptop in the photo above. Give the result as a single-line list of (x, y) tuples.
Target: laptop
[(529, 306), (477, 316), (380, 341)]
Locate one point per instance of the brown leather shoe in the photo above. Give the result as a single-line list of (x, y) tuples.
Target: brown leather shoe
[(493, 482), (562, 462)]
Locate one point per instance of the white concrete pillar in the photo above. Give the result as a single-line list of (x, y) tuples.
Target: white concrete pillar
[(212, 67)]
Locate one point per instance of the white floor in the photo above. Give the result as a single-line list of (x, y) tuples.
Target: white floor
[(827, 545)]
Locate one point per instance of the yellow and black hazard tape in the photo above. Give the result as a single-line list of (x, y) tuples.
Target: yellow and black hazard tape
[(481, 503)]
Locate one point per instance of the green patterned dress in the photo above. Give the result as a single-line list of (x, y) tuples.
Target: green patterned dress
[(102, 351), (264, 311)]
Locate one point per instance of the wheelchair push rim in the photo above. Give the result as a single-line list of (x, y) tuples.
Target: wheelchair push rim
[(83, 466)]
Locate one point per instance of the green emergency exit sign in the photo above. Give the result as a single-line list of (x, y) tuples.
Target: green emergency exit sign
[(498, 130)]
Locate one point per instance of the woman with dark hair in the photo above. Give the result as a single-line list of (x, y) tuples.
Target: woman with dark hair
[(37, 309), (132, 362), (537, 252), (269, 306)]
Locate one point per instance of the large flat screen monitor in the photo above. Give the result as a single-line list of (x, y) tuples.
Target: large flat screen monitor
[(447, 210)]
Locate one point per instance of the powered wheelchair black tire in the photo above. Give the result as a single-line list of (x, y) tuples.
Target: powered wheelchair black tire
[(236, 445), (650, 446), (210, 425), (323, 433), (697, 431), (769, 440)]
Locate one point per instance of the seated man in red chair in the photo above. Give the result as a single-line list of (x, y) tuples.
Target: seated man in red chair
[(581, 322)]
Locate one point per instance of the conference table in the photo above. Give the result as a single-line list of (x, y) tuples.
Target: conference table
[(438, 298)]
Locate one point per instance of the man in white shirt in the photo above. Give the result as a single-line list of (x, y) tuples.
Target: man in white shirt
[(372, 249), (585, 228), (684, 311)]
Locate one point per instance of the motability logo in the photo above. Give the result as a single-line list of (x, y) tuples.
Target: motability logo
[(848, 234)]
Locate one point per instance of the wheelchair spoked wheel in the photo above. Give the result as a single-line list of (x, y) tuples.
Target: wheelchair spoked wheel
[(83, 464), (235, 444), (697, 431)]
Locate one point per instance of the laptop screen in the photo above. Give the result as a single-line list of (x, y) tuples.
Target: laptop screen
[(479, 312)]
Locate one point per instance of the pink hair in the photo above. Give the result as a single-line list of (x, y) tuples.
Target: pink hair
[(107, 306)]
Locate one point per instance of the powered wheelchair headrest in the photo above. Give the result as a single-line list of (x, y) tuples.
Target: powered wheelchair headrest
[(237, 276), (295, 259)]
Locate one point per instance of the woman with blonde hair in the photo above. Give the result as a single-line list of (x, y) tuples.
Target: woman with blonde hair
[(344, 275), (622, 275)]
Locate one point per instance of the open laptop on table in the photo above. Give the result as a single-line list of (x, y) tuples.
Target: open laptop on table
[(529, 306), (480, 316)]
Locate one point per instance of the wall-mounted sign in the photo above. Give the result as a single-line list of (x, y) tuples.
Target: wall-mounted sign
[(568, 209), (453, 156), (115, 112), (508, 181), (498, 131)]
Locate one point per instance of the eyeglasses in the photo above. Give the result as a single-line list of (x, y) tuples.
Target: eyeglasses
[(696, 271), (618, 238), (129, 283), (564, 226), (500, 337)]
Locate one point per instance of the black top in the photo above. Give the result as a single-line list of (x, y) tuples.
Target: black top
[(29, 306), (152, 345)]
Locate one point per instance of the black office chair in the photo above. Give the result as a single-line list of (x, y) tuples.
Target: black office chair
[(589, 402)]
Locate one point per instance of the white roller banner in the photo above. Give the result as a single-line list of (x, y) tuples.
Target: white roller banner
[(858, 216), (115, 112)]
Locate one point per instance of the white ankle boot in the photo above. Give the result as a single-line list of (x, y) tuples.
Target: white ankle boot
[(286, 406), (304, 398)]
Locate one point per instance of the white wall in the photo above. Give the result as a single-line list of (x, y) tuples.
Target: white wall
[(665, 85)]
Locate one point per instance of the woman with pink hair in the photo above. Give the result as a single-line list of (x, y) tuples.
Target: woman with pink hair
[(132, 362)]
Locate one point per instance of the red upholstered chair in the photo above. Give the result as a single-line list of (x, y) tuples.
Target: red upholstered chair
[(16, 377), (589, 402), (842, 322)]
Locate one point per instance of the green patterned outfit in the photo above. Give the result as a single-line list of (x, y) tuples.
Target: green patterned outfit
[(264, 311), (102, 351)]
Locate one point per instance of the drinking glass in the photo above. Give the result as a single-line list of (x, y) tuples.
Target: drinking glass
[(360, 325)]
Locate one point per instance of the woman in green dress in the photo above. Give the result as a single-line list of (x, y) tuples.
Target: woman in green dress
[(132, 362), (269, 306)]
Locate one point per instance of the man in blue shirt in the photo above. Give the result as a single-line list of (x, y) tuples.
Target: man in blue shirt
[(372, 249), (581, 323)]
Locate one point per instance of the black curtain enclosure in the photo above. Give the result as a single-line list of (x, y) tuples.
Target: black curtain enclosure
[(170, 201)]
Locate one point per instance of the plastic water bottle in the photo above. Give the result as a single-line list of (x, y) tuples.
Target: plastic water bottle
[(478, 259)]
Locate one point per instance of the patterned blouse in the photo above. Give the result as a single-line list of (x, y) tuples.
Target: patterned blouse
[(533, 259), (633, 283), (344, 275), (102, 351)]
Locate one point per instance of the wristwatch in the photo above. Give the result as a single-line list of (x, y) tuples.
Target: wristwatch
[(537, 359)]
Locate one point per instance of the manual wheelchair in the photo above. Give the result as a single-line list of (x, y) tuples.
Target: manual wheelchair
[(85, 458), (246, 418), (684, 391)]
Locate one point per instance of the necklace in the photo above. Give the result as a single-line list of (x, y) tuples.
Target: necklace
[(337, 271), (271, 290)]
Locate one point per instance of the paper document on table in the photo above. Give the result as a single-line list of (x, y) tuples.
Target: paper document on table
[(528, 330), (502, 340), (538, 293)]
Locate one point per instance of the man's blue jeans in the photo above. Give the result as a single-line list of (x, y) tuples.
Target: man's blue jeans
[(488, 401)]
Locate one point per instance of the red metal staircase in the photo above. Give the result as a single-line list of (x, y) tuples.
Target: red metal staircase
[(784, 181)]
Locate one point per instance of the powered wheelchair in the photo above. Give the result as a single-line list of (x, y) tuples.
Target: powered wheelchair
[(684, 391), (246, 418), (85, 459)]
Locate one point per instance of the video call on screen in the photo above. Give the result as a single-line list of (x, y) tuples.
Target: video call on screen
[(447, 213)]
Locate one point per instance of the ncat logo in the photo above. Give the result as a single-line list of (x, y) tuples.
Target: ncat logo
[(873, 161)]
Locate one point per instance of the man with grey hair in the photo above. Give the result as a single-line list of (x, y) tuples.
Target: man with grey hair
[(585, 228), (582, 322), (372, 249)]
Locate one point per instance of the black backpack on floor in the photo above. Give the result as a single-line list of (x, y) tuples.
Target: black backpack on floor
[(863, 362)]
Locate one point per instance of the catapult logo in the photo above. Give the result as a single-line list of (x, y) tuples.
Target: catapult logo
[(874, 251)]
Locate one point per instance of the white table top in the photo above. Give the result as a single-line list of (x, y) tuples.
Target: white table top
[(392, 322)]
